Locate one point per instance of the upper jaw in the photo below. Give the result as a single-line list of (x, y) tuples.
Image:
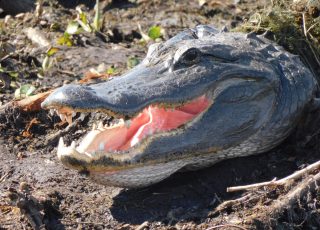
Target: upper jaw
[(127, 95)]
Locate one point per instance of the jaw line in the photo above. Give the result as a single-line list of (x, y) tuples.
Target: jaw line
[(65, 153)]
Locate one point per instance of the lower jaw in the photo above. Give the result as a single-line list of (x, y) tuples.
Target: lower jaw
[(137, 177)]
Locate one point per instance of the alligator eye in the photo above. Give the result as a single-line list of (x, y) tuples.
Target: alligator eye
[(191, 56)]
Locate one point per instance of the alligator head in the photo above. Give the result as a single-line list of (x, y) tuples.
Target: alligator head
[(201, 97)]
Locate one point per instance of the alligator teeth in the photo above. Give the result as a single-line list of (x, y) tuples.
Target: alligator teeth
[(127, 123), (73, 145), (61, 143), (101, 146), (68, 119), (87, 140), (82, 116), (62, 117), (74, 114), (121, 122), (51, 112), (117, 123), (94, 127), (100, 125), (65, 152)]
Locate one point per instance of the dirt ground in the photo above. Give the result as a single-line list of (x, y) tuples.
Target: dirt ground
[(37, 192)]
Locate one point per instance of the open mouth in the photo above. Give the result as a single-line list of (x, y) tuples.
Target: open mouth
[(125, 135)]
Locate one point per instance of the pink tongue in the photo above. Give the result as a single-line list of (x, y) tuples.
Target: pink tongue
[(151, 120)]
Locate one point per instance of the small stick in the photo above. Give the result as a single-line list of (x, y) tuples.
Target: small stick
[(6, 57), (229, 203), (312, 26), (4, 176), (226, 226), (67, 72), (274, 182), (304, 25), (309, 184), (70, 222)]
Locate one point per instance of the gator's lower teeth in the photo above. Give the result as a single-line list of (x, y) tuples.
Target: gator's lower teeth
[(82, 116), (51, 112), (128, 123), (69, 119), (101, 146), (100, 125), (62, 117)]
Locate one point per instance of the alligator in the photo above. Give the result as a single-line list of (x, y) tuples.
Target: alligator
[(201, 97)]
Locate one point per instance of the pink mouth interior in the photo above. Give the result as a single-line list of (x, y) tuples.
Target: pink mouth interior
[(151, 120)]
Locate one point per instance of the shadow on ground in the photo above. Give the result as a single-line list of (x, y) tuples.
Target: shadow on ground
[(192, 195)]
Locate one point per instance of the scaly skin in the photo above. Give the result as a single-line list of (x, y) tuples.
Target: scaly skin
[(257, 92)]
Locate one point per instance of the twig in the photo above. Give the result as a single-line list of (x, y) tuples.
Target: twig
[(312, 26), (304, 24), (294, 176), (11, 54), (70, 222), (229, 203), (67, 72), (4, 176), (313, 51), (226, 226), (6, 57), (280, 205)]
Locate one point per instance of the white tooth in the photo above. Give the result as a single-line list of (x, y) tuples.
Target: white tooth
[(51, 112), (101, 146), (62, 117), (60, 148), (135, 138), (94, 126), (69, 119), (87, 141), (150, 132), (61, 143), (74, 114), (82, 116), (128, 123), (100, 125), (73, 145)]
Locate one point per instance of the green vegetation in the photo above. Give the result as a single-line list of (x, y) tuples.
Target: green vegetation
[(13, 74), (112, 70), (24, 91), (132, 62), (80, 24), (154, 32), (294, 26), (48, 61)]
